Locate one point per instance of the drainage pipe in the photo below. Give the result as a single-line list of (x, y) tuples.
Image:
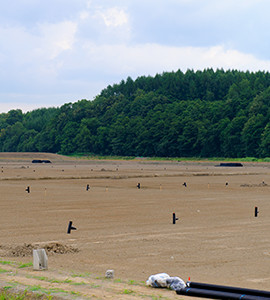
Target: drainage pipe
[(229, 289), (212, 294)]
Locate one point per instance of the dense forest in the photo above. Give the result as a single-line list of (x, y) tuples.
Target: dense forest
[(178, 114)]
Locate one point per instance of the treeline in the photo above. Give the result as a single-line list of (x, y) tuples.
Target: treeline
[(193, 114)]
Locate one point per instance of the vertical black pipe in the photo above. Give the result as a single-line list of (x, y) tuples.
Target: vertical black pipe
[(256, 211), (174, 218), (70, 227)]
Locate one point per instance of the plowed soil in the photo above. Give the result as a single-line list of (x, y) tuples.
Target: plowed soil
[(216, 239)]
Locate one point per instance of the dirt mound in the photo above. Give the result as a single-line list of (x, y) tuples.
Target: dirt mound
[(60, 248), (27, 249)]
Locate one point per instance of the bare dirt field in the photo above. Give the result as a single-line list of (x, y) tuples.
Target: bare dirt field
[(216, 239)]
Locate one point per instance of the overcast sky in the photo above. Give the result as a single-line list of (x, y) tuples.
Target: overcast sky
[(58, 51)]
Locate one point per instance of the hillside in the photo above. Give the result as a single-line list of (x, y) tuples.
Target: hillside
[(204, 114)]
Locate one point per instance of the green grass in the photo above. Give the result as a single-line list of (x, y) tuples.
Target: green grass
[(128, 292), (117, 280), (94, 286), (3, 271), (86, 274), (134, 282), (49, 291), (100, 157), (33, 292), (7, 294), (5, 288), (154, 297), (5, 262), (52, 280), (16, 264), (25, 265), (78, 283)]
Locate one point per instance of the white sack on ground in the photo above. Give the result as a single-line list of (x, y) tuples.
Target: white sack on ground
[(158, 280), (175, 283)]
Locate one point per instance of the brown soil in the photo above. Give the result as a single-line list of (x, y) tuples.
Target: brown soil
[(216, 238), (27, 249)]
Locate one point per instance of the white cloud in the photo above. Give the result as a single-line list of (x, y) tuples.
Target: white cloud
[(46, 41), (15, 43), (83, 15), (74, 52), (114, 17), (94, 67), (30, 59), (88, 4), (233, 59), (149, 59), (6, 107), (101, 24), (56, 38)]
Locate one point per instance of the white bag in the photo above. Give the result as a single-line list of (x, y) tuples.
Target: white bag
[(175, 283), (158, 280)]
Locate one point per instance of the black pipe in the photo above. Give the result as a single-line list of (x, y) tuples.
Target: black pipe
[(174, 218), (70, 227), (229, 289), (256, 211), (212, 294)]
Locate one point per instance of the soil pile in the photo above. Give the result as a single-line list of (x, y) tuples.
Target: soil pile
[(27, 249)]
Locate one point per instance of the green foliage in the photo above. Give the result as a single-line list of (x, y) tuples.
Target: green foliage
[(193, 114)]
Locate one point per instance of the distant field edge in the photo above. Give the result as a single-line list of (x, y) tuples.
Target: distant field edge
[(29, 156), (212, 159), (4, 156)]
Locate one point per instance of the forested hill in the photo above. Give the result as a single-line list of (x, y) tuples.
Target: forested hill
[(204, 113)]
